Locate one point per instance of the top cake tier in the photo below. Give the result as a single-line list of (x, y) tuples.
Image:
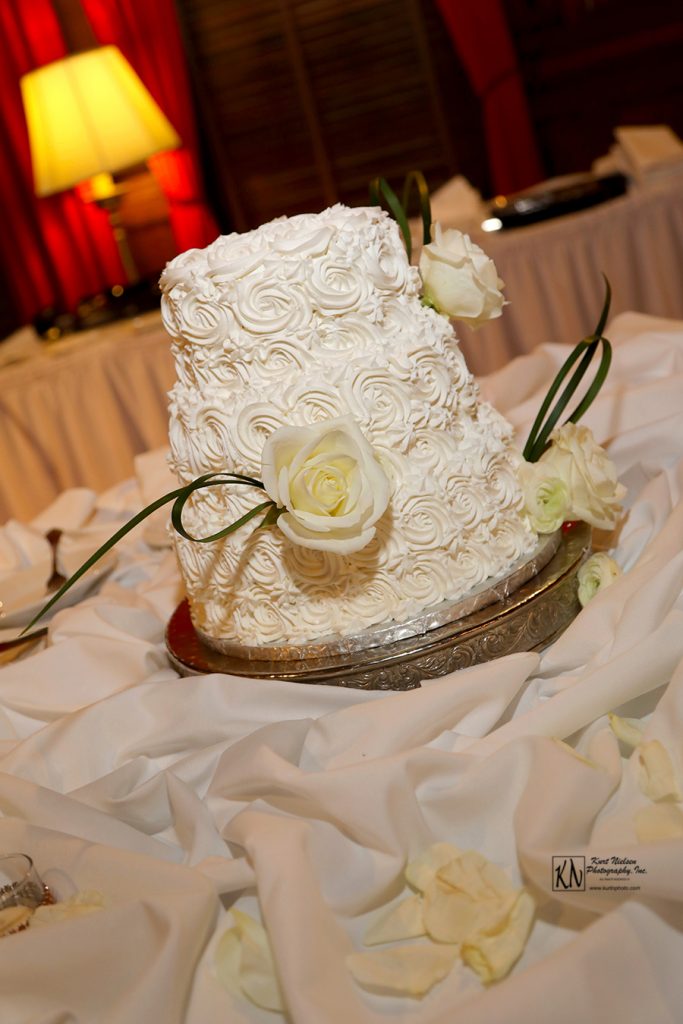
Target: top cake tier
[(301, 321)]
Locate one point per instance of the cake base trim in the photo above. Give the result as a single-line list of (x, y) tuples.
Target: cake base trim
[(538, 611), (441, 614)]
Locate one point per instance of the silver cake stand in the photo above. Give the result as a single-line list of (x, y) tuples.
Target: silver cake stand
[(523, 611)]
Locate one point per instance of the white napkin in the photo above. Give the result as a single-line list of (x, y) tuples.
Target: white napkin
[(69, 511), (25, 566), (155, 479), (457, 204), (19, 346)]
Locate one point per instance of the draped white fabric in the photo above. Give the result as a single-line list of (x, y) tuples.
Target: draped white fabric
[(80, 410), (552, 273), (176, 798)]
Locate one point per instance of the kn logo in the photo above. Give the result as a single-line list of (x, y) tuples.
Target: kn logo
[(569, 874)]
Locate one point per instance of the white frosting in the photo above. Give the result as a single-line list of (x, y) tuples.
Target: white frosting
[(307, 319)]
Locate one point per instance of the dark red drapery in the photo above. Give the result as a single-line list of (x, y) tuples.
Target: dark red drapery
[(483, 42), (147, 33), (58, 249), (53, 250)]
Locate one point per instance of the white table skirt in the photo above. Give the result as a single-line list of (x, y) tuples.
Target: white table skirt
[(553, 274), (80, 411), (176, 798)]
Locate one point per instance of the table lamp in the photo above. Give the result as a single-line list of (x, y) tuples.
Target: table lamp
[(89, 116)]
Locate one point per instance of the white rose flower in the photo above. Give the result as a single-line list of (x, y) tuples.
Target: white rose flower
[(459, 279), (546, 497), (591, 479), (329, 482), (597, 572)]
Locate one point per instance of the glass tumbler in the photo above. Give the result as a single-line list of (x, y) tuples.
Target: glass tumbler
[(20, 883)]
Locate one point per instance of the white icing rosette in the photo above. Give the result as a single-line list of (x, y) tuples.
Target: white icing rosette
[(335, 286), (271, 307), (329, 482), (315, 402), (254, 424), (352, 334), (203, 321), (378, 399), (281, 358)]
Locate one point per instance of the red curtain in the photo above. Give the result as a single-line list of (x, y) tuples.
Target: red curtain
[(55, 250), (482, 39), (147, 33), (59, 249)]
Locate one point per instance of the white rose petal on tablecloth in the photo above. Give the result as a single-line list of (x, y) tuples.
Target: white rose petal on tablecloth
[(656, 776), (494, 952), (658, 822), (404, 921), (421, 871), (627, 730), (244, 962), (403, 970)]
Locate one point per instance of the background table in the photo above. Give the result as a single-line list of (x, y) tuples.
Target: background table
[(300, 804), (77, 413), (553, 273)]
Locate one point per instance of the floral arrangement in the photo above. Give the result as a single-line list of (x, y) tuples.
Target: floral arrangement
[(325, 487)]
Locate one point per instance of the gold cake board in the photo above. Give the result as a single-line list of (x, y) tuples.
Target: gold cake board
[(530, 618)]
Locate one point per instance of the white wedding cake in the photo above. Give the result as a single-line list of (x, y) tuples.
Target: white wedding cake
[(309, 320)]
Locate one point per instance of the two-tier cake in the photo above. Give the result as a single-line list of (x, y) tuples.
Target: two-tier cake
[(311, 320)]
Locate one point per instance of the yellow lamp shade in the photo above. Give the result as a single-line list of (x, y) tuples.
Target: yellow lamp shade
[(90, 113)]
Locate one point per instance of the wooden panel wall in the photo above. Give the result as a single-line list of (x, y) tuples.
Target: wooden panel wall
[(304, 101), (591, 65)]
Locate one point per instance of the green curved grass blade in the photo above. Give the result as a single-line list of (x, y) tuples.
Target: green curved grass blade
[(380, 189), (605, 310), (418, 179), (598, 381), (101, 551), (178, 496), (561, 404), (178, 526), (552, 391)]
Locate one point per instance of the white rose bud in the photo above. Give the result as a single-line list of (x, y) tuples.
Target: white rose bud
[(591, 479), (459, 279), (329, 482), (546, 497), (596, 573)]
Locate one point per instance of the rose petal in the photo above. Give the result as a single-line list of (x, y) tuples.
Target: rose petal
[(492, 953), (244, 961), (658, 822), (421, 872), (451, 915), (627, 730), (404, 921), (403, 970), (79, 905), (656, 776)]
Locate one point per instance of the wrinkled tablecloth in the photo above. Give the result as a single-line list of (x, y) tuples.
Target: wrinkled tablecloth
[(178, 797)]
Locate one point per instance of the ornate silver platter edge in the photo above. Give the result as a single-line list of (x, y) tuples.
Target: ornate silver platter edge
[(532, 617)]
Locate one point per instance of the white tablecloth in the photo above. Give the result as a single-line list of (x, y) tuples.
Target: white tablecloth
[(176, 798), (553, 273), (79, 411)]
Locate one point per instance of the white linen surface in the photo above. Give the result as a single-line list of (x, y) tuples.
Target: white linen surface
[(176, 798)]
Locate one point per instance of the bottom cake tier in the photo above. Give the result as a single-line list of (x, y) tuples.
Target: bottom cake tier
[(510, 616)]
